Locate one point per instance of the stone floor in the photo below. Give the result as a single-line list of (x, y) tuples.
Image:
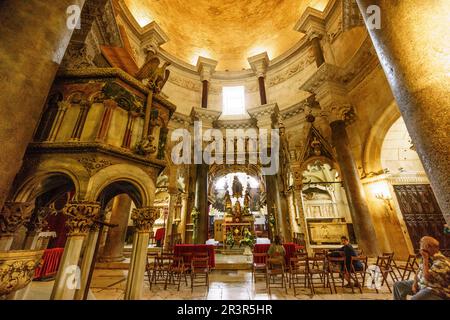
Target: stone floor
[(224, 285)]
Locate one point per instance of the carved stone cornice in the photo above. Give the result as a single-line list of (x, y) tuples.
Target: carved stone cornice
[(144, 218), (14, 215), (82, 216), (235, 124), (153, 37), (207, 116), (312, 23), (93, 147), (17, 270), (265, 111), (351, 15), (306, 60)]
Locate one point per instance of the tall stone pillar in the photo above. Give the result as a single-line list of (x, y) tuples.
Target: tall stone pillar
[(143, 219), (81, 220), (115, 240), (362, 221), (87, 261), (259, 64), (183, 217), (333, 99), (33, 39), (205, 68), (201, 203), (173, 196), (13, 216), (413, 48)]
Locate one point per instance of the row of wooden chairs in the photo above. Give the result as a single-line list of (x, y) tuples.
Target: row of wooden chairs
[(168, 269)]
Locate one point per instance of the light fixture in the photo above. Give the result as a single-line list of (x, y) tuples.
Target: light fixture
[(381, 192)]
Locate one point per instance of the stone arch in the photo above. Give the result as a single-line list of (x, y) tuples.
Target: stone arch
[(133, 175), (30, 185), (372, 149)]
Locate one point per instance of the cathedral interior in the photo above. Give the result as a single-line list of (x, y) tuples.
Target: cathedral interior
[(140, 138)]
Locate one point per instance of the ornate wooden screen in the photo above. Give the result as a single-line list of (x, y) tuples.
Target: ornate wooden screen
[(422, 214)]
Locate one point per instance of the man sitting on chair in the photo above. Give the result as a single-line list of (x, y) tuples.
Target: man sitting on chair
[(432, 282), (348, 252)]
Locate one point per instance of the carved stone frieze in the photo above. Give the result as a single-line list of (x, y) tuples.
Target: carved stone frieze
[(14, 215), (292, 70), (144, 218), (82, 216), (93, 164), (351, 15)]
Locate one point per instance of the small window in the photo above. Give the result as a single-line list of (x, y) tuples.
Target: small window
[(233, 100)]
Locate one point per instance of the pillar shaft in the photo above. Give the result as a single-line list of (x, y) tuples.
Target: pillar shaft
[(102, 134), (170, 219), (81, 120), (201, 203), (362, 221), (205, 90), (262, 90), (414, 40), (33, 38), (317, 49), (115, 240), (88, 260), (275, 201)]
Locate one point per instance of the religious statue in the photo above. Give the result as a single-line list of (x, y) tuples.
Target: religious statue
[(237, 210), (237, 187), (247, 203), (315, 144), (146, 146), (228, 204)]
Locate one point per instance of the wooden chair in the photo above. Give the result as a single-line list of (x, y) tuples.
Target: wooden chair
[(392, 264), (152, 240), (337, 270), (359, 276), (160, 270), (259, 264), (298, 270), (187, 258), (411, 266), (384, 267), (175, 272), (199, 270), (275, 270), (317, 266), (150, 266)]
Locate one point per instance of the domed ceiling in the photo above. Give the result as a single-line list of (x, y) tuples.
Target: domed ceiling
[(228, 31)]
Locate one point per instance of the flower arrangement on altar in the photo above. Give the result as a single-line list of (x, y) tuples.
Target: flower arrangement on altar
[(248, 240)]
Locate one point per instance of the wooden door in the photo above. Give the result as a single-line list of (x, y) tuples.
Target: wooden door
[(422, 215)]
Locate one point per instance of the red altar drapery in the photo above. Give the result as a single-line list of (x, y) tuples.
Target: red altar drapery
[(50, 264), (192, 248)]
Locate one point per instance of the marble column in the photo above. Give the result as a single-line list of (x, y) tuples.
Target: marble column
[(105, 123), (201, 202), (205, 87), (413, 48), (13, 216), (34, 37), (81, 121), (81, 220), (62, 108), (183, 218), (173, 196), (317, 49), (259, 64), (115, 240), (275, 205), (87, 261), (143, 219), (362, 221)]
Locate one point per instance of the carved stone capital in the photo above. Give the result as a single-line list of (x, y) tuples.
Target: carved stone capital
[(144, 218), (206, 68), (17, 269), (341, 112), (14, 215), (259, 64), (82, 216)]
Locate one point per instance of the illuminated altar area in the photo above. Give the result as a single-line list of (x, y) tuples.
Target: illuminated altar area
[(237, 215)]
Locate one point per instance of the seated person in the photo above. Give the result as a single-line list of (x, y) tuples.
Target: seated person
[(432, 282), (348, 252), (276, 250)]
